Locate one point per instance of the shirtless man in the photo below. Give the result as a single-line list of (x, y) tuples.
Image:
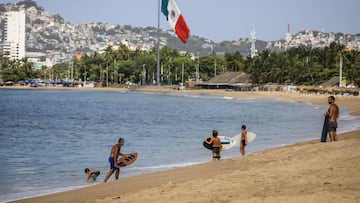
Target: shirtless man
[(114, 153), (216, 144), (333, 115), (243, 139)]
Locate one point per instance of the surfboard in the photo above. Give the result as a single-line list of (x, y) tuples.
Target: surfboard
[(226, 143), (324, 130), (250, 137), (127, 159)]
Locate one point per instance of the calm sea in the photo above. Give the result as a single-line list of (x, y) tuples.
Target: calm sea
[(48, 137)]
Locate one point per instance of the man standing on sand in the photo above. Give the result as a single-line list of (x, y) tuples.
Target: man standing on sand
[(114, 153), (333, 115)]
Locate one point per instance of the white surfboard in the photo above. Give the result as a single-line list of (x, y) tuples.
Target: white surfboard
[(250, 137), (226, 142)]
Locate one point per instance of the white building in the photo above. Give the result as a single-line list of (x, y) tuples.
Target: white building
[(14, 36)]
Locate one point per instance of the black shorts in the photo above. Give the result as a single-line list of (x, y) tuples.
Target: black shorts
[(331, 126), (216, 149), (243, 142)]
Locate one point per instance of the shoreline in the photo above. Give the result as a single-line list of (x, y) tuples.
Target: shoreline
[(178, 185), (164, 185), (351, 102)]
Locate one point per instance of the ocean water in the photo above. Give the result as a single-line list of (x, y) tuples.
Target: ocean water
[(48, 137)]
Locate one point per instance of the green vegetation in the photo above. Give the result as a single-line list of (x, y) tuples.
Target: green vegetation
[(300, 66), (16, 71)]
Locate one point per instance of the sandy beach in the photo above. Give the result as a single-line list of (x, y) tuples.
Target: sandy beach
[(304, 172)]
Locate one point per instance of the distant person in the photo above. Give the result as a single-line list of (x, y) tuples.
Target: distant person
[(243, 139), (92, 174), (114, 154), (216, 145), (332, 114)]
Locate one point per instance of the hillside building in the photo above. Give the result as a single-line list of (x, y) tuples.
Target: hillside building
[(13, 44)]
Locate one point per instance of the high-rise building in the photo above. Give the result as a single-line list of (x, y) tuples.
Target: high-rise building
[(253, 50), (14, 36)]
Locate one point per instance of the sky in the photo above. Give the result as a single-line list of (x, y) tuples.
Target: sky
[(218, 20)]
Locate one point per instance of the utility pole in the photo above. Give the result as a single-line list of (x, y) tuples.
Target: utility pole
[(197, 69), (72, 71), (169, 74), (182, 73), (100, 72), (85, 74), (144, 75), (215, 69), (115, 73), (341, 63), (107, 74), (158, 49)]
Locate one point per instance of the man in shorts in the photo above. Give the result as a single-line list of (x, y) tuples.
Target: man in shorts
[(216, 145), (114, 154), (332, 114), (243, 139)]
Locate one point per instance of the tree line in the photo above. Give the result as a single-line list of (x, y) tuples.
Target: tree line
[(299, 65)]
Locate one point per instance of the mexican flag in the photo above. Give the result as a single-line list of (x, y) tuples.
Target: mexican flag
[(175, 19)]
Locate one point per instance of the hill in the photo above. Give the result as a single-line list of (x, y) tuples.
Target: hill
[(50, 35)]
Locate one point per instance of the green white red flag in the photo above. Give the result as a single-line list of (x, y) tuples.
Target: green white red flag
[(175, 19)]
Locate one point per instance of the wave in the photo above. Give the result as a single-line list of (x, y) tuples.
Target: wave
[(348, 117), (228, 98), (165, 166)]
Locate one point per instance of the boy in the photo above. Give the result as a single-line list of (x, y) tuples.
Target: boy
[(243, 139), (92, 174), (216, 144)]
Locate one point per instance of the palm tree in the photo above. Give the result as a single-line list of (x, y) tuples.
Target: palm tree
[(235, 62), (352, 66), (108, 57), (123, 52)]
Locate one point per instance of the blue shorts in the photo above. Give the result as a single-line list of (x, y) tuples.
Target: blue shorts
[(112, 163)]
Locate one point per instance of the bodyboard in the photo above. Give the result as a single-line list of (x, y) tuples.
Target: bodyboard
[(206, 145), (324, 130), (127, 159), (226, 143)]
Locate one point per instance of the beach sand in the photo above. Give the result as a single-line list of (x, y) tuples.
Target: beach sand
[(304, 172)]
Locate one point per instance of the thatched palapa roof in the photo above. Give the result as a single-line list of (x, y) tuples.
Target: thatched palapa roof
[(332, 82), (231, 78)]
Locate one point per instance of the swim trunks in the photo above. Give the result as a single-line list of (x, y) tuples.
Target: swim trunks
[(331, 126), (112, 163), (216, 152), (95, 175), (243, 142)]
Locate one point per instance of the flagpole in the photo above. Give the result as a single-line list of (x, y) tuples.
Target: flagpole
[(158, 48)]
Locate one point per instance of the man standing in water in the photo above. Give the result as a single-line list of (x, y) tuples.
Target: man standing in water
[(333, 115), (215, 142), (114, 153)]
